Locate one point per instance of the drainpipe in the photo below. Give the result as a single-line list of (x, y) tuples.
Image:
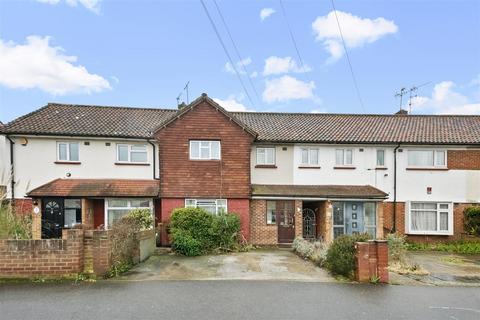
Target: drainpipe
[(154, 160), (394, 225), (12, 171)]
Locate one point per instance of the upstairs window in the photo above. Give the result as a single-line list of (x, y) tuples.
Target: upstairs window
[(134, 153), (430, 218), (67, 151), (343, 157), (427, 158), (214, 206), (380, 158), (204, 150), (310, 156), (265, 156)]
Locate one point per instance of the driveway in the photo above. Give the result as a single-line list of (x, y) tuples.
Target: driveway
[(254, 265)]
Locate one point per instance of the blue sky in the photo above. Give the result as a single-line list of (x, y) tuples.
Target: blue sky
[(141, 53)]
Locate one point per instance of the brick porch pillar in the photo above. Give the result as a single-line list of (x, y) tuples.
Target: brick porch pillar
[(37, 219), (379, 220), (298, 218), (382, 260), (328, 238)]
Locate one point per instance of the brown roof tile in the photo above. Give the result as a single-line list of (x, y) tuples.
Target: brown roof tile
[(320, 191), (97, 188)]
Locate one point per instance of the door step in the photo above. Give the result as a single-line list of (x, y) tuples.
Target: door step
[(284, 245)]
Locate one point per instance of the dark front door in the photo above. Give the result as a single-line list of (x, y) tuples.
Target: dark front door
[(52, 218), (285, 212)]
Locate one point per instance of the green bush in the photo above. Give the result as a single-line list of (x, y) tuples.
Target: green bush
[(14, 225), (194, 231), (460, 246), (397, 247), (472, 220), (341, 254), (143, 216)]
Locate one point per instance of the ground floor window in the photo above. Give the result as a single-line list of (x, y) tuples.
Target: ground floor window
[(214, 206), (73, 212), (354, 217), (430, 218), (115, 208)]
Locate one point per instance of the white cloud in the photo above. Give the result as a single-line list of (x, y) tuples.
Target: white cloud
[(277, 65), (92, 5), (239, 65), (266, 12), (318, 111), (445, 100), (287, 88), (36, 64), (232, 103), (356, 31)]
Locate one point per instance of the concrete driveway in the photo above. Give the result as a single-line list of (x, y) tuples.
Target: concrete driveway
[(254, 265)]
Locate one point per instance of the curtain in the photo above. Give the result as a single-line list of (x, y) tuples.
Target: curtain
[(424, 220)]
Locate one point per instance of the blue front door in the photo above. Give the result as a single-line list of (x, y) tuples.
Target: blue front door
[(353, 217)]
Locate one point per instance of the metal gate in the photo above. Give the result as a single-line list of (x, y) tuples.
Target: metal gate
[(309, 224)]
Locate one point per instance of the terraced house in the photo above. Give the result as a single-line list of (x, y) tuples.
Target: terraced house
[(284, 174)]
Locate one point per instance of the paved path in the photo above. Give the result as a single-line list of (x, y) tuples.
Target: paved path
[(253, 265), (235, 300)]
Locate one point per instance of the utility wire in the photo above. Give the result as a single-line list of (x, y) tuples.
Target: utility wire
[(348, 59), (226, 51), (236, 50), (291, 35)]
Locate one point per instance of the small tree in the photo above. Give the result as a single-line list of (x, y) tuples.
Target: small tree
[(472, 220)]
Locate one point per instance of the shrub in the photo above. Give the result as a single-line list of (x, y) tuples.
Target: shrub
[(143, 216), (341, 254), (14, 225), (194, 231), (314, 251), (397, 247), (472, 220), (460, 246)]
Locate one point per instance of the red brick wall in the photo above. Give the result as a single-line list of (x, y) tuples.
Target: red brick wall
[(241, 207), (225, 178), (371, 261), (23, 206), (168, 205), (261, 233), (463, 159)]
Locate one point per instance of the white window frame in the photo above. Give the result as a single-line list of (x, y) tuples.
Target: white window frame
[(376, 158), (309, 158), (128, 207), (344, 164), (210, 156), (130, 151), (192, 203), (434, 151), (408, 220), (67, 143), (263, 149)]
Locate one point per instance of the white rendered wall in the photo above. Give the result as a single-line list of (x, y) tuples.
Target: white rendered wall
[(283, 174), (35, 162), (4, 161)]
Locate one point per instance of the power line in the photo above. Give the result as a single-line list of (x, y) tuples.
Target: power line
[(226, 51), (291, 35), (348, 59), (236, 50)]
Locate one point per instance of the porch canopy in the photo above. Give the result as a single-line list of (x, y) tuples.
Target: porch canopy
[(97, 188), (318, 191)]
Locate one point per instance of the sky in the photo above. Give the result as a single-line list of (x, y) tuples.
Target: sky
[(141, 53)]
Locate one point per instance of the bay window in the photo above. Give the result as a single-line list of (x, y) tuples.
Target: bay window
[(430, 218), (213, 206)]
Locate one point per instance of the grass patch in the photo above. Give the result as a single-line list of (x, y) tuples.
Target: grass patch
[(460, 246)]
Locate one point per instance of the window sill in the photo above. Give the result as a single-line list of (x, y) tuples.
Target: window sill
[(309, 167), (428, 168), (68, 162), (131, 164), (266, 166), (271, 224), (344, 167), (211, 160), (381, 168), (430, 233)]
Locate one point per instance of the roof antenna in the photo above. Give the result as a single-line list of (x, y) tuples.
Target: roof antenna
[(400, 94), (412, 92), (185, 89)]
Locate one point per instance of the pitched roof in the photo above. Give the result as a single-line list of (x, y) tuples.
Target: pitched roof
[(358, 128), (318, 191), (87, 120), (97, 188)]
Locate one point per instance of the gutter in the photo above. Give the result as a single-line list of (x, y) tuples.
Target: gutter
[(394, 224), (154, 160), (12, 168)]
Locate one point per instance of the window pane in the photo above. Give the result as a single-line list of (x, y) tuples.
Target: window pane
[(440, 158), (204, 151), (425, 206), (190, 203), (73, 152), (73, 203), (443, 206), (271, 215), (305, 156), (139, 147), (138, 156), (270, 155), (380, 157), (424, 220), (260, 156), (339, 157), (215, 149), (369, 208), (194, 149), (122, 152), (337, 231), (140, 203), (420, 158), (70, 218), (348, 156), (444, 221), (313, 156), (62, 151), (117, 203), (115, 214), (338, 213)]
